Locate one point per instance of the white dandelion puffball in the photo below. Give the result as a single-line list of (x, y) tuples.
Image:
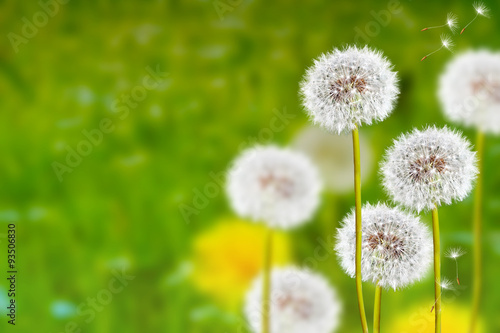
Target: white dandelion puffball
[(300, 301), (428, 168), (346, 88), (273, 185), (396, 247), (333, 156), (469, 90)]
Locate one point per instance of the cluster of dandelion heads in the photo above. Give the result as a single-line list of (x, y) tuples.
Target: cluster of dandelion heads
[(301, 301), (274, 185), (396, 247), (349, 87), (429, 167), (469, 90)]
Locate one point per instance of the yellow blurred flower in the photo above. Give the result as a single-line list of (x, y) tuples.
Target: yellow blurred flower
[(228, 257), (455, 319)]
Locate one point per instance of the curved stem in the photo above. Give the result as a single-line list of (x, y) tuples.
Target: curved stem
[(437, 269), (376, 309), (266, 281), (357, 194), (478, 199)]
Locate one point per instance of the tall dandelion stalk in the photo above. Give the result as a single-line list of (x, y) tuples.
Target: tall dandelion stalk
[(437, 269), (376, 309), (424, 170), (477, 227), (280, 187), (266, 281), (357, 196), (344, 89)]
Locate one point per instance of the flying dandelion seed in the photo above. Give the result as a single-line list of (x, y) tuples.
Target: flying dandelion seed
[(451, 22), (480, 9), (455, 253), (445, 285), (446, 43)]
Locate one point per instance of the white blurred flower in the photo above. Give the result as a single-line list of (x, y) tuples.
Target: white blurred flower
[(346, 88), (333, 156), (396, 247), (469, 90), (430, 167), (301, 301), (273, 185)]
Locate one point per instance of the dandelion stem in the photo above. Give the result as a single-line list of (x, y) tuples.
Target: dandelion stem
[(376, 309), (425, 57), (266, 281), (478, 199), (475, 17), (437, 269), (456, 264), (439, 26), (357, 194)]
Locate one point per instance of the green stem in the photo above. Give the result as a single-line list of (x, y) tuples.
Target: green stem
[(266, 281), (357, 194), (437, 269), (478, 199), (376, 309)]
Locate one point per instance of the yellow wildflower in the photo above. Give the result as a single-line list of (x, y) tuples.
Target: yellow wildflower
[(228, 256), (455, 318)]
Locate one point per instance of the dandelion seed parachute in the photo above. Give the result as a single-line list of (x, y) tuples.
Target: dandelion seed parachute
[(451, 22), (446, 42), (454, 253), (274, 185), (430, 167), (346, 88), (480, 9), (396, 247), (469, 90), (301, 301)]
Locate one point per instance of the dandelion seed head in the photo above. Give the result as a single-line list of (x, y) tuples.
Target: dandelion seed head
[(274, 185), (454, 253), (481, 9), (429, 167), (447, 42), (300, 301), (446, 284), (348, 87), (396, 247), (452, 21), (469, 90)]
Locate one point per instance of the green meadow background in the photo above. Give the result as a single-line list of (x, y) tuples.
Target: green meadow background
[(122, 208)]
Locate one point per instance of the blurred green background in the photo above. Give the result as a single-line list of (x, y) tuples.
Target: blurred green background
[(230, 63)]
